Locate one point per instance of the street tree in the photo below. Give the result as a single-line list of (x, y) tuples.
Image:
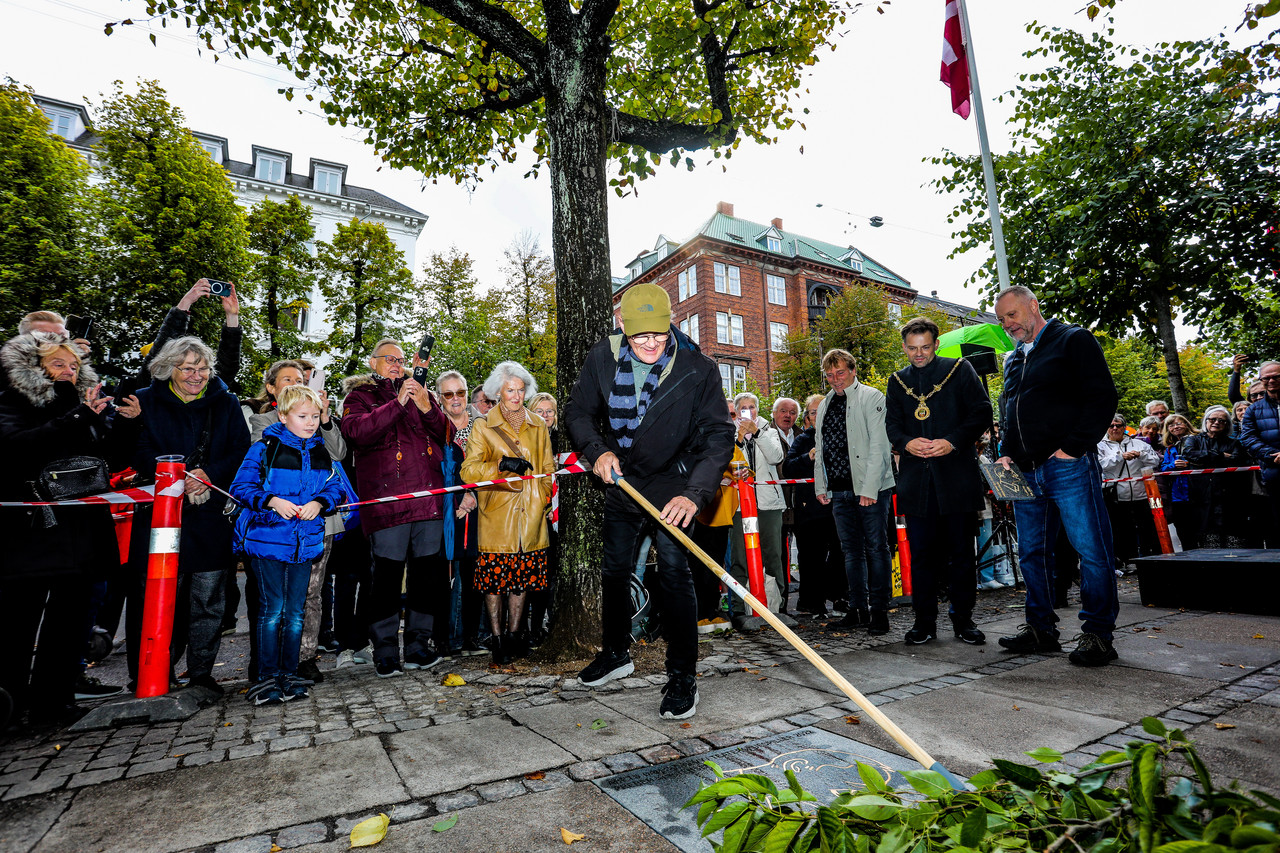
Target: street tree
[(43, 188), (166, 217), (530, 297), (1141, 187), (281, 274), (455, 87), (471, 330), (367, 288)]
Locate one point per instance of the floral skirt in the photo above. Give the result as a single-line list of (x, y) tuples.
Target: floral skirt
[(499, 573)]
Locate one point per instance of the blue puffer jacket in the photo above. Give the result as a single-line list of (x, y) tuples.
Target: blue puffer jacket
[(1260, 435), (300, 470)]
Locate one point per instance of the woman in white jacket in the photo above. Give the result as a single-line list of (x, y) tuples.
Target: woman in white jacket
[(1121, 455)]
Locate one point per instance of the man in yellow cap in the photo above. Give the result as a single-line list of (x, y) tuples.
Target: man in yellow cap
[(648, 406)]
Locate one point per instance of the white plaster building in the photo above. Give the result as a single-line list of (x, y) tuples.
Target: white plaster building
[(270, 173)]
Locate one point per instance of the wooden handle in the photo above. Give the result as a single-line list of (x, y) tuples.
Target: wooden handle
[(913, 748)]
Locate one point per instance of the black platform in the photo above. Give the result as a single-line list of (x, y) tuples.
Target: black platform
[(1242, 580)]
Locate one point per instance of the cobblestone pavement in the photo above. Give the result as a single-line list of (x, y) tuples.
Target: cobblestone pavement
[(353, 703)]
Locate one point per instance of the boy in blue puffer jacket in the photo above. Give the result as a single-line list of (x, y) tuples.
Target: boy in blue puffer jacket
[(284, 484)]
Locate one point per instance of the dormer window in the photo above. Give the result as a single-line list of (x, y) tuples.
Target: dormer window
[(853, 258), (62, 122), (270, 168), (772, 243), (635, 269), (214, 150), (328, 181)]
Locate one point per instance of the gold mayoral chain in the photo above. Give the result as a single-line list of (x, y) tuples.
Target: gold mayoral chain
[(922, 410)]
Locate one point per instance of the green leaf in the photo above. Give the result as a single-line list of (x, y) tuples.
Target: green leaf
[(780, 837), (1045, 755), (1152, 726), (928, 782), (598, 724), (446, 824), (725, 816), (1019, 774), (874, 807), (1186, 847), (974, 828), (1247, 836), (872, 778)]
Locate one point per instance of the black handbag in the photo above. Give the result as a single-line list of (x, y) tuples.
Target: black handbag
[(67, 479)]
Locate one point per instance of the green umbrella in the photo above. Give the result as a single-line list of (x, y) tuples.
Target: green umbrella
[(961, 341)]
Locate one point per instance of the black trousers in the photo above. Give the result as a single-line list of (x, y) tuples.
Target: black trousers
[(1133, 530), (943, 551), (42, 635), (821, 564), (426, 582), (714, 541)]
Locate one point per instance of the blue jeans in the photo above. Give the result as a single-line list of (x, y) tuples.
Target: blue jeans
[(1069, 492), (282, 600), (863, 536)]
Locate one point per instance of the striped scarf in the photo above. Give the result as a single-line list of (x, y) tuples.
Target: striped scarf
[(625, 409)]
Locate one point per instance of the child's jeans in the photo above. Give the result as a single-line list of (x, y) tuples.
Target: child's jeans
[(282, 598)]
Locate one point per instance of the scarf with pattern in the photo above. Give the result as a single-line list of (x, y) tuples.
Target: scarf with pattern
[(626, 409)]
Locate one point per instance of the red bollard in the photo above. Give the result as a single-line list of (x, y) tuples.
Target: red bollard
[(1157, 511), (751, 533), (904, 548), (162, 577)]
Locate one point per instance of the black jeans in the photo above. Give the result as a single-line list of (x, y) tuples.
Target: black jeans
[(864, 537), (426, 582), (943, 551), (621, 531), (47, 614), (714, 541)]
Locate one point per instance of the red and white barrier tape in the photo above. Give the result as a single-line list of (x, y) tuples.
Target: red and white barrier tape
[(1184, 473), (123, 497)]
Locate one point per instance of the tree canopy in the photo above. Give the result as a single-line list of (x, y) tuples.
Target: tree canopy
[(281, 274), (1141, 186)]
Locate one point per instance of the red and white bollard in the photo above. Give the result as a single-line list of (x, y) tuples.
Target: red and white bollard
[(162, 577), (1157, 510), (751, 533), (904, 548)]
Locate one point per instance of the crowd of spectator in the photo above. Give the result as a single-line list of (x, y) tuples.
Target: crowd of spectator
[(405, 584)]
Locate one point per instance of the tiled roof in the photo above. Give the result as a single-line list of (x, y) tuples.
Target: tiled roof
[(303, 182), (957, 310)]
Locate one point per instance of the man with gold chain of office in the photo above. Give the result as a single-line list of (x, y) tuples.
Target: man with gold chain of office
[(937, 411)]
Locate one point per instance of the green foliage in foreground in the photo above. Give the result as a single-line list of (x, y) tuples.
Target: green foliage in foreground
[(1164, 802)]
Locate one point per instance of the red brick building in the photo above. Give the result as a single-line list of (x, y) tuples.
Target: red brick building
[(739, 287)]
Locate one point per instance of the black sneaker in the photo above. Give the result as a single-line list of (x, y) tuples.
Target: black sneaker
[(1031, 641), (310, 671), (879, 623), (327, 644), (472, 647), (970, 634), (422, 660), (679, 697), (207, 683), (1092, 650), (849, 622), (919, 634), (388, 668), (88, 687), (607, 666)]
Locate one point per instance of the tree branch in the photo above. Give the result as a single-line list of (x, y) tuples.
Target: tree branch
[(661, 136), (496, 26), (519, 94), (1077, 829)]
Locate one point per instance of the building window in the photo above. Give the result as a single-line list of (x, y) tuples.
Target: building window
[(739, 378), (895, 311), (729, 328), (728, 280), (777, 289), (689, 325), (328, 181), (687, 282), (662, 251), (61, 122), (733, 378), (773, 244), (296, 316), (726, 380), (778, 337), (214, 150), (270, 169)]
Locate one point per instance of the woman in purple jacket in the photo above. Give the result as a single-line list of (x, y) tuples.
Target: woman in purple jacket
[(397, 433)]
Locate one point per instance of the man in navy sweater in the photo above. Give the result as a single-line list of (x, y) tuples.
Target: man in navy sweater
[(1058, 400)]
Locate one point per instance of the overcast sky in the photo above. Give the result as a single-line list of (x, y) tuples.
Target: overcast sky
[(877, 111)]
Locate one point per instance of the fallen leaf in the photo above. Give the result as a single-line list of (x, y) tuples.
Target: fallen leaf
[(762, 678), (1258, 637), (1172, 643), (369, 832), (686, 725), (57, 747), (570, 837), (276, 848), (501, 689), (446, 824), (599, 724), (535, 776), (1223, 726), (852, 720), (752, 671), (453, 680), (1016, 708), (224, 725)]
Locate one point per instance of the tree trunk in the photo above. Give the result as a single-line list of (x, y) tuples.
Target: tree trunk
[(578, 132), (353, 362), (273, 321), (1169, 345)]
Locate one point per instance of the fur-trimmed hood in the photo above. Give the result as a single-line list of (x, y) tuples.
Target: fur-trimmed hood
[(20, 358), (352, 382)]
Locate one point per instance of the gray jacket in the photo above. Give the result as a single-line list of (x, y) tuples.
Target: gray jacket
[(870, 461)]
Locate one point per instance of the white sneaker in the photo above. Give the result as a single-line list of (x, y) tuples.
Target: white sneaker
[(363, 656), (346, 658), (992, 584)]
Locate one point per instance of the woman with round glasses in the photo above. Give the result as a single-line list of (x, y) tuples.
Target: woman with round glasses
[(188, 412), (1218, 500)]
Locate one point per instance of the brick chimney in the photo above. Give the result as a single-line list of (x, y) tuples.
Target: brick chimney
[(777, 223), (725, 207)]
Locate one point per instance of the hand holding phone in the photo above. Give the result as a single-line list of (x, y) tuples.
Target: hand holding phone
[(423, 359), (217, 287), (316, 382)]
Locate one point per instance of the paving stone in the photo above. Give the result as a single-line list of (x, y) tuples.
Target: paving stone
[(660, 754), (503, 790), (402, 812), (549, 782), (778, 727), (296, 836), (345, 824), (94, 777), (586, 770), (42, 784), (448, 803), (256, 844), (624, 761), (410, 725), (247, 751), (152, 767), (331, 737), (292, 742), (805, 719), (692, 746), (25, 775), (196, 759), (826, 712), (720, 740), (148, 756)]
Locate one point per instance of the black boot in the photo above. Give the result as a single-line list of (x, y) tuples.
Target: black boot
[(518, 643), (879, 623), (501, 647)]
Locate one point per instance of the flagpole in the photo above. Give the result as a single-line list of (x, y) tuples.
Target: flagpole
[(988, 171)]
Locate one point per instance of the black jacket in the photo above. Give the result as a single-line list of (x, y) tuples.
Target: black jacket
[(685, 440), (170, 426), (1060, 397), (798, 466), (959, 413)]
